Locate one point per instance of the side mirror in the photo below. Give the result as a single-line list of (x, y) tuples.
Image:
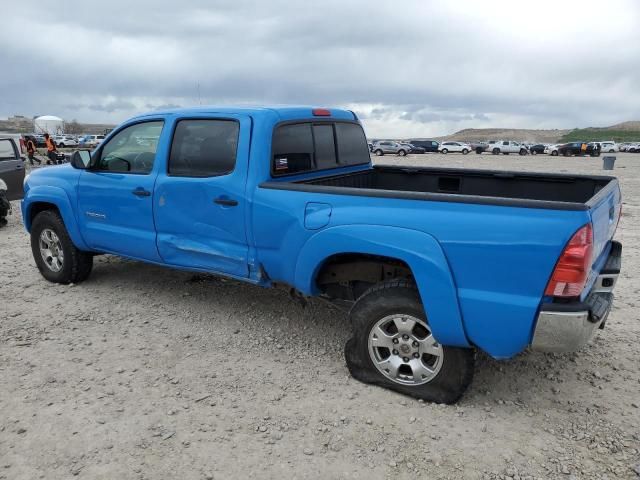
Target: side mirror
[(81, 159)]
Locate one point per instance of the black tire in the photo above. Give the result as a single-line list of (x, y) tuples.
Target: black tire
[(61, 145), (612, 151), (554, 153), (76, 265), (495, 151), (5, 208), (379, 153), (444, 150), (534, 152), (523, 151), (402, 153), (401, 297), (479, 150), (566, 153), (465, 151)]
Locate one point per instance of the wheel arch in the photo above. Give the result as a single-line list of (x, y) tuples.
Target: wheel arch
[(427, 264), (41, 198)]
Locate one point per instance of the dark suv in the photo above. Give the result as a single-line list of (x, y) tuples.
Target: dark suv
[(430, 146), (11, 175), (579, 148)]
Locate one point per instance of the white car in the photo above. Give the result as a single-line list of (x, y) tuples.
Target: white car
[(65, 141), (447, 147), (92, 140), (608, 147), (552, 150), (506, 147)]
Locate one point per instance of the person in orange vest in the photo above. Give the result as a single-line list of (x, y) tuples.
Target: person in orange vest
[(51, 149), (31, 150)]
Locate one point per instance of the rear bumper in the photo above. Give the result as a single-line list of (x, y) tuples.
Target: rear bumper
[(566, 327)]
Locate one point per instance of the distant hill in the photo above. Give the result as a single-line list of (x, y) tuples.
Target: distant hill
[(622, 132), (625, 131), (518, 134)]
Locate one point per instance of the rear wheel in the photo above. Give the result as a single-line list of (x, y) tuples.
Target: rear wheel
[(379, 153), (465, 151), (392, 346), (554, 153), (56, 256), (402, 153), (534, 152), (444, 150), (495, 151), (566, 153)]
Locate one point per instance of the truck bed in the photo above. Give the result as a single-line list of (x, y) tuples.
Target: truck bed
[(522, 189)]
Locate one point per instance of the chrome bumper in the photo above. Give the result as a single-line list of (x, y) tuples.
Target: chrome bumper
[(566, 327)]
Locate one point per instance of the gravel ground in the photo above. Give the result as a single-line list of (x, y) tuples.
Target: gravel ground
[(143, 373)]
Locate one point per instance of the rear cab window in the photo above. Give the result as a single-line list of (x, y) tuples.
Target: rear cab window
[(312, 146)]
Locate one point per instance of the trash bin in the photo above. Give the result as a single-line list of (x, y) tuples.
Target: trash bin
[(608, 163)]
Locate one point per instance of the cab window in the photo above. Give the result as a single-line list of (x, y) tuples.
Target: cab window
[(131, 150)]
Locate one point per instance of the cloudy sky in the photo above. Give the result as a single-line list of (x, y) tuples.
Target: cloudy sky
[(408, 68)]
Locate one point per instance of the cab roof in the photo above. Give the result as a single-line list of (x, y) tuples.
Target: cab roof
[(284, 112)]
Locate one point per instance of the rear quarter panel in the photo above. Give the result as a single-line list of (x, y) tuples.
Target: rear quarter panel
[(500, 258)]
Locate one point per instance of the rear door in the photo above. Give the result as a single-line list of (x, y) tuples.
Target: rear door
[(200, 204), (11, 168)]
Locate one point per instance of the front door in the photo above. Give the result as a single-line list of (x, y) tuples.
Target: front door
[(115, 195), (11, 168), (200, 204)]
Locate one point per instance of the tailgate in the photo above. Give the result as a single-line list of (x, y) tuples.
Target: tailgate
[(605, 209)]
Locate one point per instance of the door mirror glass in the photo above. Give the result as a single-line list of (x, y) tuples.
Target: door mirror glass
[(80, 159)]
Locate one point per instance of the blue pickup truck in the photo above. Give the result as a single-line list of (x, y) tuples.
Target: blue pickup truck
[(431, 263)]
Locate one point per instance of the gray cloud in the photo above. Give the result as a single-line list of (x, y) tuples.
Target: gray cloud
[(410, 68)]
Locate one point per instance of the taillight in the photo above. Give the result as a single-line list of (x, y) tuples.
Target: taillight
[(572, 270), (321, 112)]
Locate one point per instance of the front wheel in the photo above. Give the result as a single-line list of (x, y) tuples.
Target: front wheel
[(5, 208), (554, 153), (465, 151), (392, 346), (534, 152), (57, 258), (523, 151), (444, 150), (495, 151)]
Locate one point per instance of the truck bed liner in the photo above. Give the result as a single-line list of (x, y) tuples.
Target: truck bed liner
[(523, 189)]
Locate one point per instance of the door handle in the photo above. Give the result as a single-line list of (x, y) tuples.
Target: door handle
[(227, 202), (141, 192)]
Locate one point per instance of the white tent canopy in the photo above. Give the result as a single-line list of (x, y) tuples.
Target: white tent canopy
[(48, 124)]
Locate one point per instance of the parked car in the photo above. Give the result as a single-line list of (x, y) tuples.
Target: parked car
[(460, 147), (91, 141), (385, 146), (430, 146), (11, 175), (506, 147), (608, 147), (537, 148), (552, 150), (413, 148), (579, 148), (485, 146), (63, 141), (249, 194), (633, 148)]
